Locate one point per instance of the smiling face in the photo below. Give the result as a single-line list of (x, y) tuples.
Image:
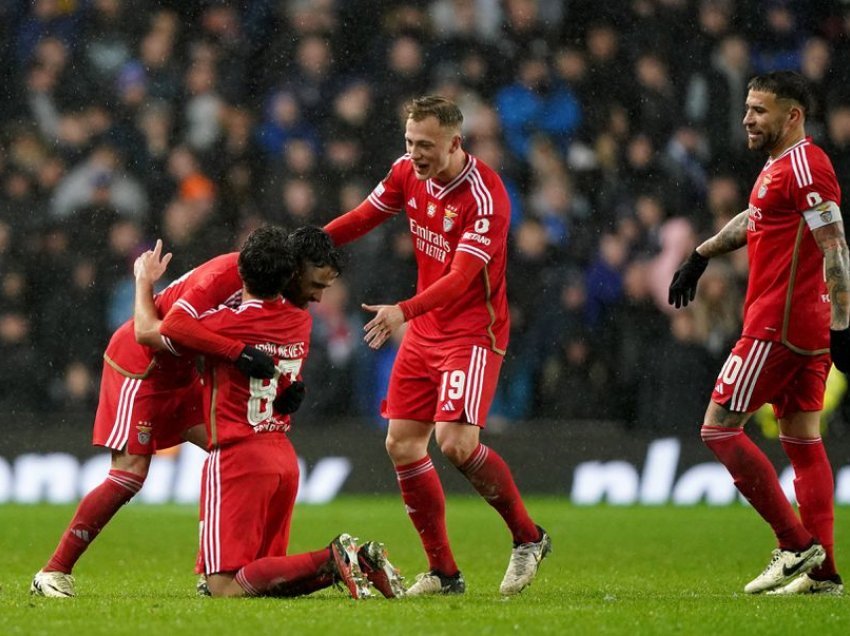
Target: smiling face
[(434, 149), (771, 123)]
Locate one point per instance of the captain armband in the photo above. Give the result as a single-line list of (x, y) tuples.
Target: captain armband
[(822, 214)]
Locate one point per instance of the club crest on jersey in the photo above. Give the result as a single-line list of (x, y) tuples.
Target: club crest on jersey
[(144, 432), (765, 182), (432, 209), (448, 220)]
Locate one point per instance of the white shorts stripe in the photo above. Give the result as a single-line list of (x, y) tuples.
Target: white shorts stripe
[(749, 376), (758, 369), (121, 427), (212, 514), (205, 525), (742, 376), (475, 383), (469, 389)]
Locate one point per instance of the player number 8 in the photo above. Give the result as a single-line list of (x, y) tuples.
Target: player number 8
[(262, 395)]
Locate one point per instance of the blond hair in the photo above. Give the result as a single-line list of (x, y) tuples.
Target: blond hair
[(445, 110)]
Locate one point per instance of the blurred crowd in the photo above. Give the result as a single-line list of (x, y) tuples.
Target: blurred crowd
[(614, 123)]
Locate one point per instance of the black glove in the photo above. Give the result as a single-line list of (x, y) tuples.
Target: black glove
[(290, 400), (839, 349), (683, 288), (255, 364)]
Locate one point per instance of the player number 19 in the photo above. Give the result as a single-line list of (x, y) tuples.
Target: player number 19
[(453, 383)]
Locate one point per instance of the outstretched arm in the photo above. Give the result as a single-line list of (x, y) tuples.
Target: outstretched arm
[(732, 236), (148, 268), (443, 291), (683, 287), (355, 223)]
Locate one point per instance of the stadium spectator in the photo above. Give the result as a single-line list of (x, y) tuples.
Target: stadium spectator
[(532, 104), (65, 97)]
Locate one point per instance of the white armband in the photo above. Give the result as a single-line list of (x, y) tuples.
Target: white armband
[(822, 214)]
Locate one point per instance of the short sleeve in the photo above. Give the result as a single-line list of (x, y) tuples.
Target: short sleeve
[(388, 195), (813, 180), (214, 289), (486, 228)]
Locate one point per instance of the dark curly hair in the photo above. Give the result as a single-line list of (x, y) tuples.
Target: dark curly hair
[(311, 244), (266, 263)]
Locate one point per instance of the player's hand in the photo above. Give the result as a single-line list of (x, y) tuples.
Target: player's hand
[(150, 266), (683, 287), (255, 364), (290, 400), (380, 328), (839, 349)]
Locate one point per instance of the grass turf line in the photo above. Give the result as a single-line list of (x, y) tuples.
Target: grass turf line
[(632, 570)]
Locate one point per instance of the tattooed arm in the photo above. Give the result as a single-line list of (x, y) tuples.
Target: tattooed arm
[(683, 287), (732, 236), (830, 239)]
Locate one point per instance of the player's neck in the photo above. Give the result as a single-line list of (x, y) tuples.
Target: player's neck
[(457, 163), (246, 295), (792, 138)]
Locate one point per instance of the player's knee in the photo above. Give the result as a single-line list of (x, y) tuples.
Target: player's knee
[(402, 450), (224, 585), (457, 451), (136, 464)]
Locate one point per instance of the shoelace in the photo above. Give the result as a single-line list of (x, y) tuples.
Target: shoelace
[(777, 554)]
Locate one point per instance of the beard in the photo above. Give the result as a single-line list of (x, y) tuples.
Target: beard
[(766, 142)]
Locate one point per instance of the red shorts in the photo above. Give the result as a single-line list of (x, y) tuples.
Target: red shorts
[(247, 494), (761, 371), (144, 415), (451, 383)]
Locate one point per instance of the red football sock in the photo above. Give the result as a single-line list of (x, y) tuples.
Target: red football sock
[(815, 488), (93, 513), (425, 503), (756, 479), (492, 478), (282, 576)]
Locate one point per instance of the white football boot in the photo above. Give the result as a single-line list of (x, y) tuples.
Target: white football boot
[(52, 584), (525, 560), (784, 566), (805, 584)]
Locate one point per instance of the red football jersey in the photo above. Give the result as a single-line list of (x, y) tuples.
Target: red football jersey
[(204, 288), (469, 214), (787, 298), (236, 406)]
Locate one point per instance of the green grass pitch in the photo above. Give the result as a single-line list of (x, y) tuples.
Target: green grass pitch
[(650, 570)]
